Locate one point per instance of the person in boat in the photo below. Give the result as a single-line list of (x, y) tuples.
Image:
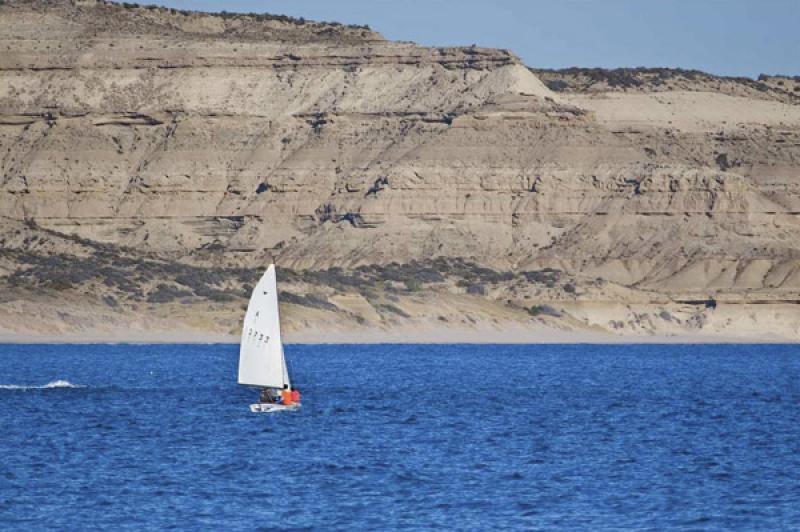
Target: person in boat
[(267, 397), (289, 395), (286, 395)]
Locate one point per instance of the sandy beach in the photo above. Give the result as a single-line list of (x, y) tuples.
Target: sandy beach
[(398, 336)]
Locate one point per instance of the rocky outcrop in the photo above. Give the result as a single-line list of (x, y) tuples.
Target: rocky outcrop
[(218, 140)]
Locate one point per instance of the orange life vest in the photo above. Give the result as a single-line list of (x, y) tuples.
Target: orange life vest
[(287, 397)]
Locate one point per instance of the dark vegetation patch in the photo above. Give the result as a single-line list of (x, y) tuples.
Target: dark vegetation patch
[(766, 77), (214, 294), (128, 275), (544, 310), (415, 276), (576, 78), (164, 293), (547, 276), (556, 85), (310, 300), (413, 285), (476, 290), (394, 310), (258, 17)]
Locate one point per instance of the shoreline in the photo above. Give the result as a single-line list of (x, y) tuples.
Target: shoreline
[(402, 336)]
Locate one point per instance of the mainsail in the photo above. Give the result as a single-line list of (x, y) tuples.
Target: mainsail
[(261, 360)]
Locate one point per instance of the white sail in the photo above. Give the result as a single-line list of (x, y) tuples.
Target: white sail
[(261, 360)]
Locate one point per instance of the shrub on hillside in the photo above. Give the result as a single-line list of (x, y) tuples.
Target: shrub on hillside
[(544, 310), (165, 293)]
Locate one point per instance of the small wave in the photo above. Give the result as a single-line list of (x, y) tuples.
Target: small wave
[(51, 384)]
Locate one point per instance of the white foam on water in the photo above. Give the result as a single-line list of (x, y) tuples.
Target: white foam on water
[(51, 384)]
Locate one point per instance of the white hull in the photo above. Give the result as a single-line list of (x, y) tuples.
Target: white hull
[(265, 408)]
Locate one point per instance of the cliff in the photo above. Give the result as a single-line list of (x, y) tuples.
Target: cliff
[(216, 143)]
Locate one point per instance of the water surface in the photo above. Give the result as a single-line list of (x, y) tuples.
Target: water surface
[(418, 436)]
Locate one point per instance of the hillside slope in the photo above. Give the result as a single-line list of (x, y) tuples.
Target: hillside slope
[(223, 142)]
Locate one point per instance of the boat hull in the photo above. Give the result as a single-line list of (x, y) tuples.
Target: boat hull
[(266, 408)]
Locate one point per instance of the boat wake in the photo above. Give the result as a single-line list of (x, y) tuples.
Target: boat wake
[(49, 385)]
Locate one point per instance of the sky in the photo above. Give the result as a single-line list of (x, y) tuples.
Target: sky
[(725, 37)]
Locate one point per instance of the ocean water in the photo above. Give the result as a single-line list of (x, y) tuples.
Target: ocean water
[(464, 437)]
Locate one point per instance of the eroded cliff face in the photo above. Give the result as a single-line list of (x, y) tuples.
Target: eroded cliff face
[(226, 141)]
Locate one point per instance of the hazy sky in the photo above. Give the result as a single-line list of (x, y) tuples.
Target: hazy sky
[(730, 37)]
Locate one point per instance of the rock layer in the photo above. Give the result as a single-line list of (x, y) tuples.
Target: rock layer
[(213, 139)]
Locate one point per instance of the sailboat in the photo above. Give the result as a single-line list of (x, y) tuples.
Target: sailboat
[(262, 363)]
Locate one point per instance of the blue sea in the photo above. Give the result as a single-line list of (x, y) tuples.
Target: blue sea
[(466, 437)]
